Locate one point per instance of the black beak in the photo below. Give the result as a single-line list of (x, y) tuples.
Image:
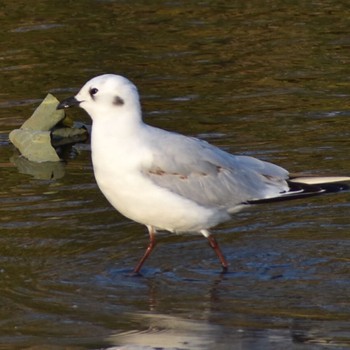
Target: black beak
[(68, 102)]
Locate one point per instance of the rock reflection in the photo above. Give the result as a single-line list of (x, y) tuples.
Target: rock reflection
[(40, 171)]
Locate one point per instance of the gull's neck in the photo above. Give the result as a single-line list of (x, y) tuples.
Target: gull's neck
[(117, 122), (116, 133), (117, 137)]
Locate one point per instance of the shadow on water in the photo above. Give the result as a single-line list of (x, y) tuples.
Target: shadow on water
[(263, 79)]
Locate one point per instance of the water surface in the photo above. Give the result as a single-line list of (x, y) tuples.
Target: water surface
[(268, 79)]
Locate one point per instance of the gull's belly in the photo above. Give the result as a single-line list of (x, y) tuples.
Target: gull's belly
[(139, 199)]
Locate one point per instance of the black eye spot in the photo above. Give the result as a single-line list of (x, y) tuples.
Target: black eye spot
[(118, 101), (93, 91)]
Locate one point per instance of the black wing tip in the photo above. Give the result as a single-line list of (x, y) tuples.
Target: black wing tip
[(328, 187), (300, 190)]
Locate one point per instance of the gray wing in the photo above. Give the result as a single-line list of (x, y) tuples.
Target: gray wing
[(209, 176)]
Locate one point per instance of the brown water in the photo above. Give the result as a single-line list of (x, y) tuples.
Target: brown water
[(268, 79)]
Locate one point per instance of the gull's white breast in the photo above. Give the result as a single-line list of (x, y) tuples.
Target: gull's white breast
[(118, 160)]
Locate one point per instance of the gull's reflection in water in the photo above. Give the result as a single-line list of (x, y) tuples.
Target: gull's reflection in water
[(154, 330), (208, 327), (176, 333), (165, 332)]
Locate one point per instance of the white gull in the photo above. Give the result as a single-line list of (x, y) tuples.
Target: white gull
[(172, 182)]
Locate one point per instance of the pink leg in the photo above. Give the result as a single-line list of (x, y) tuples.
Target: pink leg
[(151, 245), (214, 244)]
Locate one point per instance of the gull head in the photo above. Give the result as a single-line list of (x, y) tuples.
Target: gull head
[(105, 95)]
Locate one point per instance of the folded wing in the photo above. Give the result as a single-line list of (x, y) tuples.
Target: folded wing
[(209, 176)]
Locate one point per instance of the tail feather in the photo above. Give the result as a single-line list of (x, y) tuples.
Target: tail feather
[(317, 180), (307, 186)]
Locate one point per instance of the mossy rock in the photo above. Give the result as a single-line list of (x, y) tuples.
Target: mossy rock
[(34, 138)]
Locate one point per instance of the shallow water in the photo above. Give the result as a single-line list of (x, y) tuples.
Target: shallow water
[(268, 79)]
